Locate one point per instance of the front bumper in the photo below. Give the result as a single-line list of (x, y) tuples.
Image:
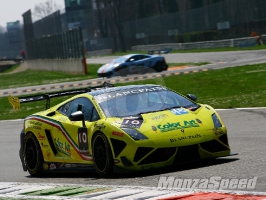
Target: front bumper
[(107, 74), (146, 157)]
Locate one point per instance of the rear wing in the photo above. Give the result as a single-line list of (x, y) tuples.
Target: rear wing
[(15, 101)]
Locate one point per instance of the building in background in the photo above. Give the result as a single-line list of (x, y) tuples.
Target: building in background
[(12, 41)]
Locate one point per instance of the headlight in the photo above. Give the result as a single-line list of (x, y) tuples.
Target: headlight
[(136, 135), (116, 64), (216, 121)]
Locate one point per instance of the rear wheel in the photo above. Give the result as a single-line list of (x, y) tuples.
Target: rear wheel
[(33, 155), (103, 160), (158, 67)]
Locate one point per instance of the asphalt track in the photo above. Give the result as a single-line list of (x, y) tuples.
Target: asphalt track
[(247, 137)]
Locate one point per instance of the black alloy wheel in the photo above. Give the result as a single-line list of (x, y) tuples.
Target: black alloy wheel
[(103, 160), (33, 155)]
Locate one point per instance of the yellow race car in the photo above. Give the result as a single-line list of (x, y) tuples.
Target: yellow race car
[(135, 127)]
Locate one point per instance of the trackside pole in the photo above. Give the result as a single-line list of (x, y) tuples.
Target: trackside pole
[(85, 65)]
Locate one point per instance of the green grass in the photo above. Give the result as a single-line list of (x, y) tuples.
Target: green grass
[(233, 87), (33, 77)]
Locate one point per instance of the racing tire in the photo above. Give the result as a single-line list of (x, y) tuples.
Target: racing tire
[(33, 155), (103, 159), (123, 71), (158, 67)]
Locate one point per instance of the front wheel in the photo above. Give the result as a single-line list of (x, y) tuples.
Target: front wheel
[(123, 71), (103, 160), (33, 155)]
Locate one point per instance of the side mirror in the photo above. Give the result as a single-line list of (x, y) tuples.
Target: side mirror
[(77, 116), (192, 97)]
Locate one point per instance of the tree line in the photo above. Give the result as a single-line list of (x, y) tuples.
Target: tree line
[(111, 14)]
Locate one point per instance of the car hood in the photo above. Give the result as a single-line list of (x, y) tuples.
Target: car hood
[(182, 124)]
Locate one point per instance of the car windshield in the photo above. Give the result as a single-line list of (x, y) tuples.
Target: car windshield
[(138, 101), (120, 59)]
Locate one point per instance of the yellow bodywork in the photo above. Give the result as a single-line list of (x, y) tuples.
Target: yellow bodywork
[(171, 137)]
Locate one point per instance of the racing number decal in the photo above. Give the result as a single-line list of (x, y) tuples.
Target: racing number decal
[(83, 140), (131, 123)]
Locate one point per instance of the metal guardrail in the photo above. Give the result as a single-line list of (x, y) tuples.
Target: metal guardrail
[(198, 45)]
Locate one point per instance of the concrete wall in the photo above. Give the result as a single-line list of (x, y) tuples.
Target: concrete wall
[(198, 45), (99, 52), (74, 65)]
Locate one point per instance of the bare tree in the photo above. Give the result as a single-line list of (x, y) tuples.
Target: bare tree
[(42, 10)]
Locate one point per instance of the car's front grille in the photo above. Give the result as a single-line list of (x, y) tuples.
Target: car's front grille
[(223, 139), (118, 146), (159, 155), (141, 152), (213, 146), (187, 154)]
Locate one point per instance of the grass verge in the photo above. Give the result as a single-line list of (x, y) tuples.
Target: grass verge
[(233, 87), (33, 77)]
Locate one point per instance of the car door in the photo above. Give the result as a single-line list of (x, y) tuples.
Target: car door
[(144, 60), (75, 141), (138, 62)]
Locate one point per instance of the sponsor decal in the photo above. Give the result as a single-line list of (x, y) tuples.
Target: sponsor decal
[(60, 165), (198, 120), (154, 128), (48, 154), (40, 137), (44, 145), (45, 166), (131, 123), (118, 134), (147, 167), (218, 131), (118, 121), (110, 94), (62, 119), (179, 111), (52, 166), (60, 127), (213, 183), (159, 117), (67, 165), (62, 147), (35, 125), (177, 125), (100, 126), (185, 138)]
